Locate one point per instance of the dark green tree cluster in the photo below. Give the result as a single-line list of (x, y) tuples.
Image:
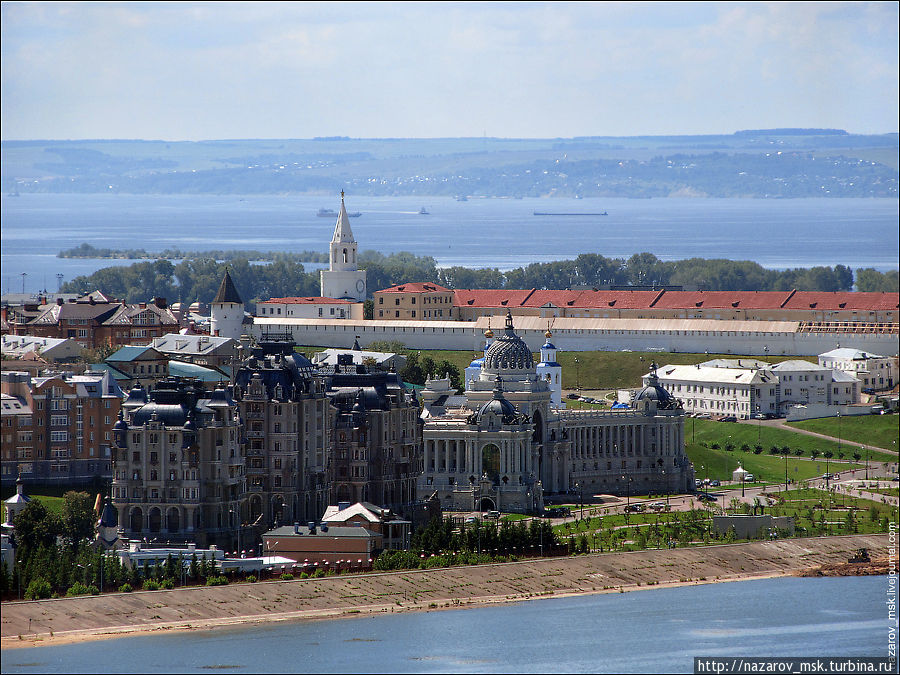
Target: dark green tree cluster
[(506, 539), (195, 279), (56, 556), (419, 368)]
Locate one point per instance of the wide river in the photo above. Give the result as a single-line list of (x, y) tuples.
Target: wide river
[(653, 631), (502, 233)]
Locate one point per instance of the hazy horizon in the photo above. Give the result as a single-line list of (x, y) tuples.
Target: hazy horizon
[(519, 70)]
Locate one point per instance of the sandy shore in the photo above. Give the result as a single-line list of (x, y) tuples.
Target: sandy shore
[(66, 620)]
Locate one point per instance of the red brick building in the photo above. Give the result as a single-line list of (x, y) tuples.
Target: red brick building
[(95, 320)]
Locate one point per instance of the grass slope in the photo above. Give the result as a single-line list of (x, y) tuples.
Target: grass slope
[(878, 430)]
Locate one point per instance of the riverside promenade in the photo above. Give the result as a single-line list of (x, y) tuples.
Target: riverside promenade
[(66, 620)]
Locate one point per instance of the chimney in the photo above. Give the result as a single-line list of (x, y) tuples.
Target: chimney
[(160, 302)]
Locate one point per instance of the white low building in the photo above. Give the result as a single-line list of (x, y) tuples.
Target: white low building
[(720, 390), (315, 307), (872, 370), (803, 383), (744, 387)]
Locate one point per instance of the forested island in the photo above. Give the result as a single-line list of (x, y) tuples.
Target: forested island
[(92, 252), (198, 278)]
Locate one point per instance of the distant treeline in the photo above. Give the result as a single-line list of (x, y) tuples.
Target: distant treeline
[(88, 251), (195, 279)]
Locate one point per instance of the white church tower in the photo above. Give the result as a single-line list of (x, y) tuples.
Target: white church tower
[(548, 369), (343, 279), (226, 311)]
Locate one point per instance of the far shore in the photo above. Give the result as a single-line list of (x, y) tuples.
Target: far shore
[(70, 620)]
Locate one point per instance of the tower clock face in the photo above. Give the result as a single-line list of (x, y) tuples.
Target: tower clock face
[(360, 285)]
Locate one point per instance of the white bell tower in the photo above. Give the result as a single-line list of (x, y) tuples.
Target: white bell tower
[(548, 369), (343, 279)]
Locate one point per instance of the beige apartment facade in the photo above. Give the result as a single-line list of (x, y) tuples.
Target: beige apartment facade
[(415, 301)]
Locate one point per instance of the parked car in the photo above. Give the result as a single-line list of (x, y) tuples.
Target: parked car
[(749, 477), (573, 397), (492, 514), (634, 508), (715, 483), (658, 505), (728, 418), (704, 416), (706, 497)]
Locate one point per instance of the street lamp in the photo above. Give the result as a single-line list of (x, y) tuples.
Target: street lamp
[(867, 462), (577, 378), (758, 425), (839, 433)]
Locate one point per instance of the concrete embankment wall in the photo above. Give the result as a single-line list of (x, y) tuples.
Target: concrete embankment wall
[(87, 617)]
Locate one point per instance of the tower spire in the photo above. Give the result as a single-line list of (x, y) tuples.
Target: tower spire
[(342, 232)]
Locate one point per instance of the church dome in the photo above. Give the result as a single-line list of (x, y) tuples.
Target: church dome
[(509, 351), (654, 391), (499, 406)]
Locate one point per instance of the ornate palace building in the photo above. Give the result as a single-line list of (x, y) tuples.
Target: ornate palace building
[(506, 443), (376, 437), (287, 419), (178, 465)]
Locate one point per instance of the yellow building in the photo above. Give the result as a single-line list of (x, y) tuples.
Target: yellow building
[(418, 301)]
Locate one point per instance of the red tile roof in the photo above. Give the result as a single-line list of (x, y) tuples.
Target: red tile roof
[(415, 287), (843, 301), (623, 299)]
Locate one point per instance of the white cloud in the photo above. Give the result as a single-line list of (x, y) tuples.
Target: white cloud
[(210, 70)]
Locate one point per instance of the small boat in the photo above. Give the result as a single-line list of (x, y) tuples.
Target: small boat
[(423, 212)]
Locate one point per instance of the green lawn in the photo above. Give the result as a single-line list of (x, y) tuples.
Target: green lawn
[(595, 370), (719, 464), (707, 431), (820, 512), (878, 430), (53, 504)]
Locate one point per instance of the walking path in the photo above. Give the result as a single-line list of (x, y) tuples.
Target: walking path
[(114, 615)]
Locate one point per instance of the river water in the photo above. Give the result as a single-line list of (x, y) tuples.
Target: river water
[(653, 631), (502, 233)]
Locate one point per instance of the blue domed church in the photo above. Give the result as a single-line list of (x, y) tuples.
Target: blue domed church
[(509, 442)]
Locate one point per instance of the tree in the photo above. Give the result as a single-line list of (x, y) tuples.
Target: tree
[(35, 527), (77, 520)]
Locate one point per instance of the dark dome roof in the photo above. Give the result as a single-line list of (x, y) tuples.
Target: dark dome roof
[(509, 351), (654, 391), (500, 407)]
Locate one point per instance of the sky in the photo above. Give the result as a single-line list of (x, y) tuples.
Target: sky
[(213, 70)]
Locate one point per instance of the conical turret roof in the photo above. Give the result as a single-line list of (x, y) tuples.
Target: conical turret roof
[(342, 232), (227, 291)]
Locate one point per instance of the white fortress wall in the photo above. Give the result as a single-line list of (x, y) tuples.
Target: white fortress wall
[(750, 338)]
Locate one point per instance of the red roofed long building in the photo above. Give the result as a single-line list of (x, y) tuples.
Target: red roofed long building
[(805, 306)]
